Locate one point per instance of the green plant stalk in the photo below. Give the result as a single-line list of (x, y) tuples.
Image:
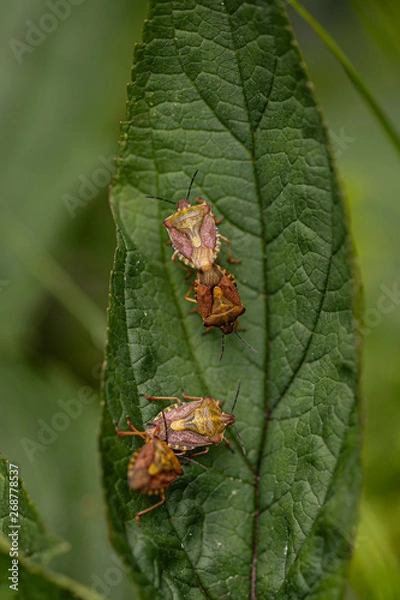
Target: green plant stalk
[(351, 72), (48, 272)]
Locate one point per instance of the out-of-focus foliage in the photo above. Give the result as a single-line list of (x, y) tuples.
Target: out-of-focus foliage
[(62, 95), (382, 21)]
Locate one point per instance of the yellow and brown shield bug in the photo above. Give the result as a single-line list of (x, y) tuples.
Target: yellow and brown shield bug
[(193, 424), (194, 233), (153, 468)]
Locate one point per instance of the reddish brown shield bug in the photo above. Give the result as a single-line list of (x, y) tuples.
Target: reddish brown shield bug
[(189, 425), (218, 300), (194, 233), (153, 468)]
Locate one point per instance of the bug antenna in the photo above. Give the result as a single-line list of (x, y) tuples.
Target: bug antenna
[(222, 347), (240, 440), (236, 396), (166, 428), (245, 343), (163, 199), (191, 183), (190, 460)]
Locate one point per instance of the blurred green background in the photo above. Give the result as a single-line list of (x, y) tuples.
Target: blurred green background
[(62, 96)]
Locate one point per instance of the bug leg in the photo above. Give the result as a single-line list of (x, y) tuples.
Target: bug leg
[(229, 445), (207, 330), (174, 398), (133, 429), (119, 432), (205, 451), (228, 243), (186, 397), (188, 274), (190, 460), (180, 265), (149, 509), (187, 295), (237, 328)]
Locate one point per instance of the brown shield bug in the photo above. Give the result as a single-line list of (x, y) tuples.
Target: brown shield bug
[(218, 298), (153, 468), (189, 425), (218, 301), (194, 233)]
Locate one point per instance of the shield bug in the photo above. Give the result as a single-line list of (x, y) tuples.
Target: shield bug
[(218, 301), (189, 425), (153, 468), (194, 233), (218, 298)]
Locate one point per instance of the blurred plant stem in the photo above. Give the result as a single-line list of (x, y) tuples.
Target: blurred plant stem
[(351, 72), (49, 273)]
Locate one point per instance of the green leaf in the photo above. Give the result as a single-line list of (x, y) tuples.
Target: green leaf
[(221, 87)]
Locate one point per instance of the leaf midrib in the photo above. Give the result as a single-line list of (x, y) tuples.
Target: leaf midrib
[(251, 152)]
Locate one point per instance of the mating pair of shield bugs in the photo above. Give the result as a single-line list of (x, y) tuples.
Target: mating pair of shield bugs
[(185, 426), (196, 241)]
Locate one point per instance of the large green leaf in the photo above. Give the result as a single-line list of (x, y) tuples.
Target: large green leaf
[(221, 87)]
